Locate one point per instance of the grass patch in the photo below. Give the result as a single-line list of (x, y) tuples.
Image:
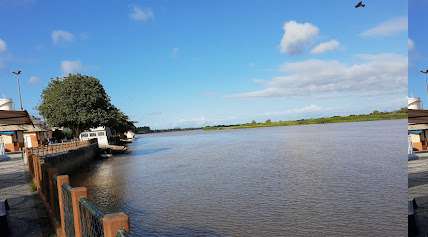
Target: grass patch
[(375, 115), (33, 186)]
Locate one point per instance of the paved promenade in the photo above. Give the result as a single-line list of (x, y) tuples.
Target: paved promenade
[(27, 215), (418, 189)]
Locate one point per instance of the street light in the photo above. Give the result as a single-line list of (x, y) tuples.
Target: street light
[(17, 73), (426, 78)]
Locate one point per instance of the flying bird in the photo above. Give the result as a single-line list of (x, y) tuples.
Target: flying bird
[(426, 71), (17, 72), (360, 4)]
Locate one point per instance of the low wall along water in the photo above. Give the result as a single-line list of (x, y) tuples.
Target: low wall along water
[(71, 212)]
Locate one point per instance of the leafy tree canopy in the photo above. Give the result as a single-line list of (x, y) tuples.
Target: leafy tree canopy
[(80, 102)]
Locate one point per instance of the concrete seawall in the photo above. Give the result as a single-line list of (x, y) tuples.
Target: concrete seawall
[(70, 212), (67, 162)]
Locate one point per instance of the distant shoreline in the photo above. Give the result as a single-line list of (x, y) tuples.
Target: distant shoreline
[(374, 116)]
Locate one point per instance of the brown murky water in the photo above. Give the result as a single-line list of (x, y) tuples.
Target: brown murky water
[(346, 179)]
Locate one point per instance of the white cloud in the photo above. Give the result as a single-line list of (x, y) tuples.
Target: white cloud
[(325, 47), (375, 74), (387, 28), (297, 36), (302, 110), (59, 36), (69, 67), (141, 14), (33, 80), (410, 44), (174, 52), (3, 45)]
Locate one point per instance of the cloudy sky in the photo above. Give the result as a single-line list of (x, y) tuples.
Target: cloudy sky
[(193, 63), (418, 49)]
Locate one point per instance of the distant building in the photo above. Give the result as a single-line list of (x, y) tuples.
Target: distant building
[(11, 134), (19, 130), (12, 138), (414, 103), (418, 129), (6, 104)]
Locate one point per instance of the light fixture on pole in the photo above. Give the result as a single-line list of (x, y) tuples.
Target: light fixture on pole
[(17, 73), (426, 78)]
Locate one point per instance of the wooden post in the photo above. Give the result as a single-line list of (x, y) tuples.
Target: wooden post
[(31, 165), (76, 194), (60, 180), (112, 223), (39, 173), (51, 174), (36, 167)]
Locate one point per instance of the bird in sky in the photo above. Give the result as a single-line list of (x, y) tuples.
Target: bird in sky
[(360, 4), (17, 72), (426, 71)]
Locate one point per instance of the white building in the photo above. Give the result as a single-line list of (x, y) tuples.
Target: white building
[(6, 104), (414, 103)]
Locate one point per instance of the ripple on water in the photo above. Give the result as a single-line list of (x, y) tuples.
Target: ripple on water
[(319, 180)]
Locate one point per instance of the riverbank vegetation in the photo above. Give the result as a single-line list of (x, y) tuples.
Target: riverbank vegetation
[(79, 102), (144, 130), (375, 115)]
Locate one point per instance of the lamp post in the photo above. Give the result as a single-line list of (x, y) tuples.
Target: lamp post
[(17, 73), (426, 78)]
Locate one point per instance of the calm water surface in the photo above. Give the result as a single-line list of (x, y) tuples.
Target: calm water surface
[(346, 179)]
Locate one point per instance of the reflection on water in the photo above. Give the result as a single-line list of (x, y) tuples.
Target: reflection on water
[(319, 180)]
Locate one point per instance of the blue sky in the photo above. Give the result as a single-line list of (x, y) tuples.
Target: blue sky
[(193, 63), (418, 50)]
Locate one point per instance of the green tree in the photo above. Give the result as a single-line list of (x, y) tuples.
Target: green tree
[(79, 102), (119, 121)]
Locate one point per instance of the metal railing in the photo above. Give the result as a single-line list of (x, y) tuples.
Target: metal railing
[(55, 198), (68, 210), (122, 233), (45, 150), (91, 219)]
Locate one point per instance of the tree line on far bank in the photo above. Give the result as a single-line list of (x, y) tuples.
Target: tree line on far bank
[(145, 130), (375, 115), (80, 102)]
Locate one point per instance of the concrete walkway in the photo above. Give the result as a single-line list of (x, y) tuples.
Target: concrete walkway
[(27, 215)]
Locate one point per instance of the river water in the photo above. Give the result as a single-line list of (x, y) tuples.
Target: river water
[(345, 179)]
